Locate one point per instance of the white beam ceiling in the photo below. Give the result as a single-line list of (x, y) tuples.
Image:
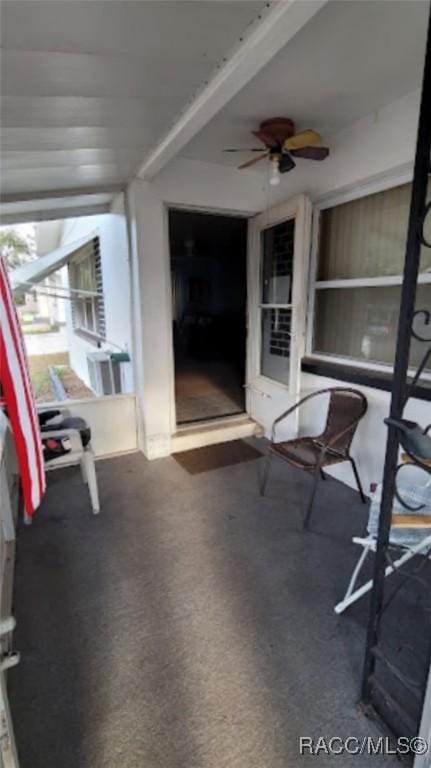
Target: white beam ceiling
[(89, 87), (269, 35), (334, 72)]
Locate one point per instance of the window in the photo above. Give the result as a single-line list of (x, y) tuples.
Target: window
[(85, 274), (276, 300), (359, 276)]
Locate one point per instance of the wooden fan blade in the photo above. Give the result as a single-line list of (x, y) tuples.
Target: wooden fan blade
[(253, 161), (246, 149), (311, 153), (265, 138), (303, 139)]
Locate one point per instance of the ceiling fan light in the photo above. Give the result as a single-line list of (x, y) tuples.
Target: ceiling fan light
[(274, 177)]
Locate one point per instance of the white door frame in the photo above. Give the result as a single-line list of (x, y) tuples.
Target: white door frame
[(299, 208), (212, 212)]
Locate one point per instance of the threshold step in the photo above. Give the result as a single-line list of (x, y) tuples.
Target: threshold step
[(191, 436)]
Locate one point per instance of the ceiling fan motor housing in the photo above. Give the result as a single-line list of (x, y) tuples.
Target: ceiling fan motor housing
[(275, 131)]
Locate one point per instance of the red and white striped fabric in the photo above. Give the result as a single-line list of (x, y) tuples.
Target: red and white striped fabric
[(17, 398)]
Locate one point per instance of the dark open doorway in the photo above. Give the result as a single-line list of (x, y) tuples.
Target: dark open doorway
[(208, 269)]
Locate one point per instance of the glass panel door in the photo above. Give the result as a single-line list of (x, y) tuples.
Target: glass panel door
[(277, 244)]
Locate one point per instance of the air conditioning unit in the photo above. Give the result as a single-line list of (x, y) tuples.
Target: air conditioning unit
[(104, 370)]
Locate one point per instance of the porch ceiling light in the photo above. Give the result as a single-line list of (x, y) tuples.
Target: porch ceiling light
[(274, 178)]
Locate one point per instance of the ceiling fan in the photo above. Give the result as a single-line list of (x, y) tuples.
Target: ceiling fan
[(282, 144)]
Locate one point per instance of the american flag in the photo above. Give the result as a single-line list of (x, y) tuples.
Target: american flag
[(16, 397)]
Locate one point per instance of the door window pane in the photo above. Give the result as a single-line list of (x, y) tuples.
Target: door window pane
[(275, 347), (277, 263), (361, 323)]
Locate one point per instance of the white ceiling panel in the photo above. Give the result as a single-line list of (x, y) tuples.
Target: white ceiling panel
[(75, 137), (179, 30), (20, 160), (29, 73), (62, 177), (353, 57), (88, 87), (76, 111)]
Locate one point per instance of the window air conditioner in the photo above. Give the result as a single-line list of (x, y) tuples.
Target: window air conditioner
[(104, 370)]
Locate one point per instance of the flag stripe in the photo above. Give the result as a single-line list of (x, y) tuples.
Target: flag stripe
[(29, 409), (18, 398), (19, 437)]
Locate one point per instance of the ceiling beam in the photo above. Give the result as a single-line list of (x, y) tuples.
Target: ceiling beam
[(48, 194), (269, 34), (52, 214)]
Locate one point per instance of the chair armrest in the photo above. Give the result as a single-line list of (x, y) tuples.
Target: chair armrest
[(294, 407), (54, 412), (47, 415)]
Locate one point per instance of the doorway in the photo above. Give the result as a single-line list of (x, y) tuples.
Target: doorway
[(208, 254)]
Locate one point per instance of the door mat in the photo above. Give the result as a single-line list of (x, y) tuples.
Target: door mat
[(215, 456)]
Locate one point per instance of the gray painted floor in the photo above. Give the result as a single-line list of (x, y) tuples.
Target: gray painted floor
[(190, 625)]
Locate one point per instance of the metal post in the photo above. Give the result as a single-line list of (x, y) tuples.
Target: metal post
[(400, 384)]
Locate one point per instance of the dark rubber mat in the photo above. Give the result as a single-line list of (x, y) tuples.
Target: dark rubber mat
[(215, 456)]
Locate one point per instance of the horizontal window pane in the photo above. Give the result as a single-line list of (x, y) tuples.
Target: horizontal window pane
[(361, 323), (275, 355), (367, 237), (277, 263)]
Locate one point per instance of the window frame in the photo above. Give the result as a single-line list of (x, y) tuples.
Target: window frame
[(299, 208), (373, 186), (82, 295), (263, 306)]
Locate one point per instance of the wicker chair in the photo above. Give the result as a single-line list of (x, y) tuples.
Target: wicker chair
[(346, 409)]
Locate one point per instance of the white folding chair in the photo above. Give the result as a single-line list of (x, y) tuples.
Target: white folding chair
[(410, 534), (78, 454)]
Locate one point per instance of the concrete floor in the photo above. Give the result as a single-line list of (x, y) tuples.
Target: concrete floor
[(190, 624)]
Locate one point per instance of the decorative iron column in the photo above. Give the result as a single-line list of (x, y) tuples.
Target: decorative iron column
[(402, 389)]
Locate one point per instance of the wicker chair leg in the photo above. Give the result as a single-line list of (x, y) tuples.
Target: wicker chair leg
[(358, 480), (265, 474), (311, 501)]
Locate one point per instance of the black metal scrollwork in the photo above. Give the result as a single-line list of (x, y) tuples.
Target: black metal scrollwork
[(418, 335), (421, 336)]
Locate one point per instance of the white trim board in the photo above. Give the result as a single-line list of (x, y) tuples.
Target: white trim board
[(267, 398), (211, 433), (174, 426)]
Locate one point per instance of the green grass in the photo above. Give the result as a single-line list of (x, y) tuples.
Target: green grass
[(38, 365), (42, 386), (39, 362), (31, 330)]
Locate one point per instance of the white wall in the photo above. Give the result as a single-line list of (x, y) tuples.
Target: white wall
[(112, 421), (378, 146), (112, 231), (185, 183)]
